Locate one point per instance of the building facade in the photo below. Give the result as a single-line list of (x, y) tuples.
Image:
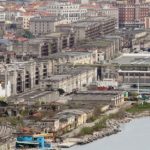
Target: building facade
[(72, 12), (133, 14), (112, 11), (25, 76), (147, 22), (44, 25), (91, 28), (74, 79), (95, 98), (2, 14)]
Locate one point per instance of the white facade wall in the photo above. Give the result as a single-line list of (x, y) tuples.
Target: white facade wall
[(26, 21), (2, 15), (75, 82), (71, 12), (5, 92)]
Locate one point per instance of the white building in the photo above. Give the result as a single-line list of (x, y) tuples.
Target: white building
[(2, 14), (84, 1), (5, 91), (26, 21), (74, 79), (71, 12)]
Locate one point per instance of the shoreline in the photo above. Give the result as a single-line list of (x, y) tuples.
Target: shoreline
[(113, 127)]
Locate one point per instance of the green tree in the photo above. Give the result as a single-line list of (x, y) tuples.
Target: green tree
[(27, 34)]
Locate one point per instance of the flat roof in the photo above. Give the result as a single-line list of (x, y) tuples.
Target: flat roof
[(59, 77), (91, 21), (46, 18), (99, 92), (67, 74), (56, 34), (68, 53), (133, 59), (95, 95), (33, 94), (84, 24), (99, 43)]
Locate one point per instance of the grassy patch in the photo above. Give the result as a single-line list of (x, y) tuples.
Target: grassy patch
[(14, 121), (86, 130), (118, 115), (137, 108), (97, 127)]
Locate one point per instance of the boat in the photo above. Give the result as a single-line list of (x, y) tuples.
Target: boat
[(31, 143)]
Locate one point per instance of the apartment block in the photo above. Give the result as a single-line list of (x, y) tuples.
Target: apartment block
[(45, 45), (133, 14), (72, 12), (45, 25), (91, 28)]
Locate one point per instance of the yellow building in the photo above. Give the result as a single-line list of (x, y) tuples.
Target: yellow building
[(26, 21)]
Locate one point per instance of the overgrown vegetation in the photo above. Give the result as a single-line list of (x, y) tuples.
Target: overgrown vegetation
[(119, 115), (97, 127), (27, 34), (96, 114), (137, 108), (101, 124), (2, 98)]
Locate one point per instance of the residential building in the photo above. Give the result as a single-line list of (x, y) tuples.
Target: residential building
[(2, 27), (49, 125), (147, 22), (3, 2), (25, 76), (60, 60), (2, 14), (92, 9), (61, 40), (45, 25), (111, 11), (71, 12), (45, 45), (26, 21), (37, 47), (91, 28), (64, 121), (133, 14), (107, 47), (80, 1), (12, 13)]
